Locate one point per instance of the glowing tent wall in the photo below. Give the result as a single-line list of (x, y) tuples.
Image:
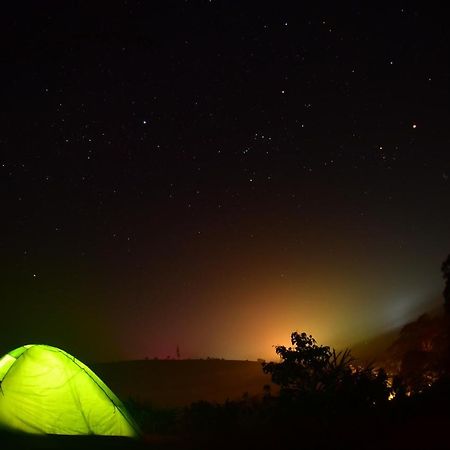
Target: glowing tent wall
[(47, 391)]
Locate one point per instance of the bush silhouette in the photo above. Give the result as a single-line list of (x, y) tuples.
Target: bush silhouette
[(308, 371)]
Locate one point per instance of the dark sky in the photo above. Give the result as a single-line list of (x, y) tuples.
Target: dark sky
[(217, 174)]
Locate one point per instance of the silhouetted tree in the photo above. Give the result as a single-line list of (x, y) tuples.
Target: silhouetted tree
[(308, 368), (304, 367), (445, 268)]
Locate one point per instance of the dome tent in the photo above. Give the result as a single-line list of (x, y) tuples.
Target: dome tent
[(44, 390)]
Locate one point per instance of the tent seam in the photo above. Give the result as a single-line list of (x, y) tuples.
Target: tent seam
[(6, 373), (116, 407)]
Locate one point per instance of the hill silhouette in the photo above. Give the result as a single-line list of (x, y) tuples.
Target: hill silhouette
[(374, 348), (176, 383)]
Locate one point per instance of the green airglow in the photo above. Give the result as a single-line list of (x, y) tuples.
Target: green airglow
[(45, 390)]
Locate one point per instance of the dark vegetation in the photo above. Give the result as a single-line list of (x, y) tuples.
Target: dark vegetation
[(326, 400), (323, 400)]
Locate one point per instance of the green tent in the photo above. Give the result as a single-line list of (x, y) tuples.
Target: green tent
[(45, 390)]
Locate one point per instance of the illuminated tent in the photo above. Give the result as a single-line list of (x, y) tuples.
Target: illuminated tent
[(45, 390)]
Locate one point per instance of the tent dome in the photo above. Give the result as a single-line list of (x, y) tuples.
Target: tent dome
[(45, 390)]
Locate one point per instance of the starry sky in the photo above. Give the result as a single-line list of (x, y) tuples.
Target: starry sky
[(217, 174)]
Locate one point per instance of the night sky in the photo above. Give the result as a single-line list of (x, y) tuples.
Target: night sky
[(217, 174)]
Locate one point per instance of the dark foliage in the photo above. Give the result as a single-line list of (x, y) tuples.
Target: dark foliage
[(420, 355), (309, 370), (161, 421), (325, 402)]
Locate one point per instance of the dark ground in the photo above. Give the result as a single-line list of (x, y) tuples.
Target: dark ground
[(177, 383), (424, 432), (420, 422)]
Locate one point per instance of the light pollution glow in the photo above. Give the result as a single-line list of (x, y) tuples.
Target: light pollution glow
[(246, 322)]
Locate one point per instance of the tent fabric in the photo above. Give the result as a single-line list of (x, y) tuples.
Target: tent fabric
[(45, 390)]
